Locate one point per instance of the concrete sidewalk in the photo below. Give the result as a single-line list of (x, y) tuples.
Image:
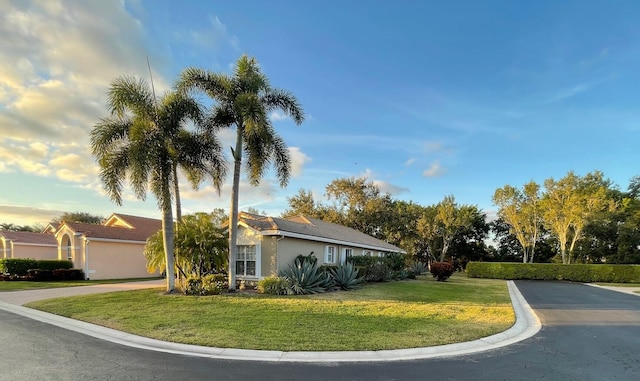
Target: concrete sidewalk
[(28, 296), (527, 324)]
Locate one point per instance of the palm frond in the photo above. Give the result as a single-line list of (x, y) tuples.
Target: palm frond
[(215, 85), (113, 167), (128, 94), (278, 99), (281, 159), (106, 133)]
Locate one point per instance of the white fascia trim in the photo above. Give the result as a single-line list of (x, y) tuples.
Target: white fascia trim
[(91, 239), (33, 244), (327, 240)]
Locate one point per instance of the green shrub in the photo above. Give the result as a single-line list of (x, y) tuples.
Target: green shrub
[(554, 271), (305, 278), (307, 258), (418, 267), (275, 285), (17, 266), (395, 261), (53, 265), (67, 274), (38, 275), (441, 270), (345, 277), (211, 284)]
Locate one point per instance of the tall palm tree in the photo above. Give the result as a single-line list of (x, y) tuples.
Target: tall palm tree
[(244, 100), (141, 141)]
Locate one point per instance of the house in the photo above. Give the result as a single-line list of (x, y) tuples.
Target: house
[(267, 245), (28, 245), (112, 250)]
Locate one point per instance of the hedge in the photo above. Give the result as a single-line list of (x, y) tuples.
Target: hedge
[(20, 266), (555, 271)]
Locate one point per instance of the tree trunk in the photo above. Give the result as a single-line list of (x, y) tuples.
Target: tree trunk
[(176, 190), (167, 238), (233, 213)]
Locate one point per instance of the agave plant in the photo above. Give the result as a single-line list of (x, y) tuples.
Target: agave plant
[(305, 278), (345, 277), (418, 267)]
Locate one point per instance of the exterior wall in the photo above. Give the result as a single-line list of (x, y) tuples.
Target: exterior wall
[(270, 255), (247, 236), (5, 246), (32, 251), (115, 260), (290, 248)]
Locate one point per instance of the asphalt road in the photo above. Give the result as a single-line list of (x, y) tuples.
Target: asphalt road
[(588, 334)]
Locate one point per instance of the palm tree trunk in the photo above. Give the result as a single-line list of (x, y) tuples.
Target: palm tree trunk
[(167, 237), (233, 214), (176, 191)]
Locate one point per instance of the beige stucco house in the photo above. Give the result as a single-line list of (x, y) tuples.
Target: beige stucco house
[(267, 245), (108, 251), (28, 245)]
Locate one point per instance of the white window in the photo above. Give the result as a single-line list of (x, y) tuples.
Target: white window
[(367, 252), (246, 260), (330, 254), (380, 254), (348, 253)]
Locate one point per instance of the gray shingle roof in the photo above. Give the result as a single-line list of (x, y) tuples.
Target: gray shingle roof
[(314, 229)]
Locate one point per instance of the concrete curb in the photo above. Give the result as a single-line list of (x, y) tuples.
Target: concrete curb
[(527, 324), (625, 290)]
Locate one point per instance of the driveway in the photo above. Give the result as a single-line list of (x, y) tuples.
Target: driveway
[(588, 334)]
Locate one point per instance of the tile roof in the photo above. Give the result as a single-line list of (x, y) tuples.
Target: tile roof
[(143, 229), (28, 237), (148, 225), (314, 228)]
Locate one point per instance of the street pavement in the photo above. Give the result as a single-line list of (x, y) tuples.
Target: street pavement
[(588, 333)]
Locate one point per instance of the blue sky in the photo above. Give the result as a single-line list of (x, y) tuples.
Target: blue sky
[(426, 99)]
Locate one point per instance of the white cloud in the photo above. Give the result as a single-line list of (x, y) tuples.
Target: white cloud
[(298, 160), (384, 186), (433, 147), (26, 215), (435, 170), (277, 116), (410, 161)]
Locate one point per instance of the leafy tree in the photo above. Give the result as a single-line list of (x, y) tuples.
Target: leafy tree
[(19, 228), (244, 100), (452, 219), (302, 203), (360, 204), (429, 233), (139, 141), (521, 210), (569, 204), (83, 217), (200, 247), (509, 248)]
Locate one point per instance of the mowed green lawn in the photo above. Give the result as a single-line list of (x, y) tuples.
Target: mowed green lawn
[(405, 314), (24, 285)]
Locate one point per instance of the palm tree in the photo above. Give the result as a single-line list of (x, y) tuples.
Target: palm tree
[(244, 100), (141, 140)]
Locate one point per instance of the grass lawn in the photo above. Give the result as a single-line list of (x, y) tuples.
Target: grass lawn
[(393, 315), (23, 285)]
